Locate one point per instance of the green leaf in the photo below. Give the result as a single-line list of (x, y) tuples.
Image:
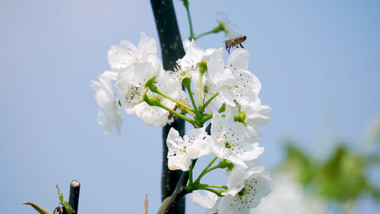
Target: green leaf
[(39, 209), (64, 203), (300, 163), (342, 177)]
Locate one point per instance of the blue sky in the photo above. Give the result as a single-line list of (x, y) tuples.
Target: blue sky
[(319, 64)]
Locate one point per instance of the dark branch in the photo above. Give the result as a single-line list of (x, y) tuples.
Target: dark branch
[(172, 50), (74, 195), (168, 32)]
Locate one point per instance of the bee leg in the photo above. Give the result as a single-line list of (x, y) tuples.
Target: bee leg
[(241, 45), (228, 49)]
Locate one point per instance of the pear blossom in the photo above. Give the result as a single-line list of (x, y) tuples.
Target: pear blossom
[(239, 174), (255, 187), (181, 151), (226, 25), (223, 79), (195, 54), (258, 117), (289, 196), (236, 84), (229, 142), (255, 115), (127, 54), (131, 84), (187, 65), (248, 85), (152, 115), (109, 114), (208, 200), (157, 116)]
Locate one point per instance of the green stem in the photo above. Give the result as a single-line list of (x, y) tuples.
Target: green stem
[(213, 168), (186, 4), (192, 99), (191, 174), (218, 193), (204, 34), (183, 117), (171, 99), (209, 100), (206, 118), (200, 89), (213, 186), (222, 164), (205, 171), (215, 30)]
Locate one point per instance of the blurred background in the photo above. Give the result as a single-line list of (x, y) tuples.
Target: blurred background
[(319, 64)]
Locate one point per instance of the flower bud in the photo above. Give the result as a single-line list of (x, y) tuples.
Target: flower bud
[(150, 84), (186, 82), (241, 117), (202, 66), (152, 101)]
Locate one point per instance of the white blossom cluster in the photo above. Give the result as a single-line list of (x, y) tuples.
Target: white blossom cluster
[(227, 98)]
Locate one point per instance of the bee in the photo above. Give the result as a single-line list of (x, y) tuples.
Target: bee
[(234, 43)]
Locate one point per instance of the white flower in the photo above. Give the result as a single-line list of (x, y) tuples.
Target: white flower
[(225, 23), (208, 200), (236, 84), (187, 65), (152, 115), (289, 196), (255, 187), (127, 54), (157, 116), (229, 142), (110, 114), (248, 86), (258, 116), (255, 115), (182, 150), (131, 84), (223, 79), (239, 174)]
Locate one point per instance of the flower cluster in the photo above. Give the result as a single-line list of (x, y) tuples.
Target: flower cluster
[(223, 95)]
